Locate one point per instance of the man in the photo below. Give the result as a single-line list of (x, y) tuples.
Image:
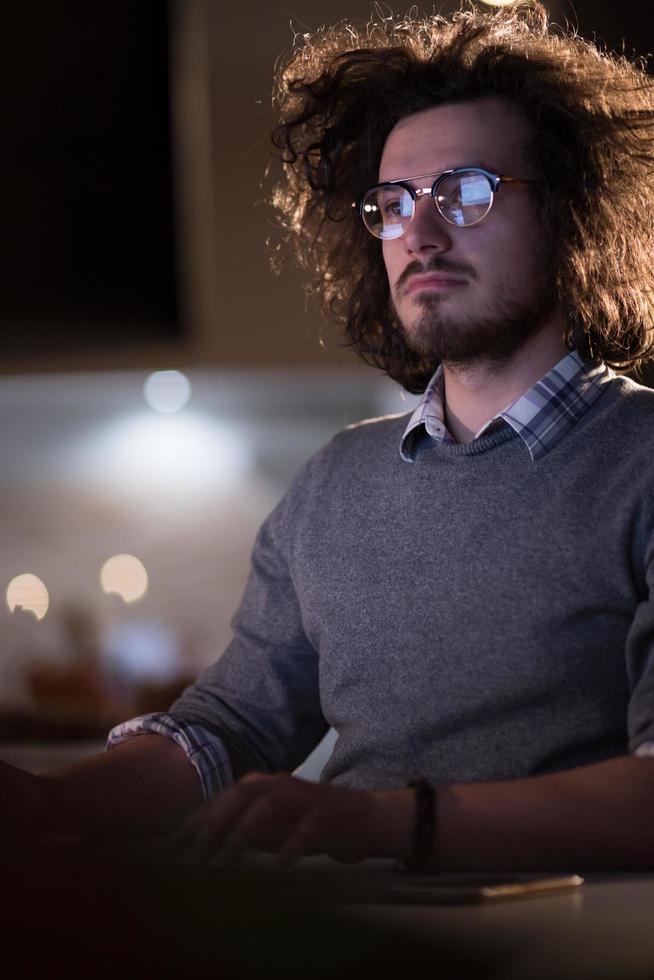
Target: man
[(464, 595)]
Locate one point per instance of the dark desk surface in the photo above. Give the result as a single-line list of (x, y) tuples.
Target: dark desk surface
[(71, 911)]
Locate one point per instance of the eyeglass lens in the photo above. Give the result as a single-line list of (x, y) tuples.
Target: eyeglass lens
[(462, 199)]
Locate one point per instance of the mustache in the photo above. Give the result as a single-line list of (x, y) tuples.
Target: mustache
[(435, 264)]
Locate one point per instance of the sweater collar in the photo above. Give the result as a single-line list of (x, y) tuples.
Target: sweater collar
[(542, 416)]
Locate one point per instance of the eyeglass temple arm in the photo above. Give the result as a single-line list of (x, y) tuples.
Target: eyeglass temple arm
[(516, 180)]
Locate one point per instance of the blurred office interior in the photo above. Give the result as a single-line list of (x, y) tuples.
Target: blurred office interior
[(159, 386)]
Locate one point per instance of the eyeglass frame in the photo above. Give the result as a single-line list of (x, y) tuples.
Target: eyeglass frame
[(417, 192)]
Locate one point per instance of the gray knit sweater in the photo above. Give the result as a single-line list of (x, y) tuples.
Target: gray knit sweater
[(472, 615)]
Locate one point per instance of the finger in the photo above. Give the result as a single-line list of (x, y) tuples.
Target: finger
[(305, 838), (181, 838), (188, 842), (257, 825), (178, 841), (170, 845), (208, 826), (200, 846)]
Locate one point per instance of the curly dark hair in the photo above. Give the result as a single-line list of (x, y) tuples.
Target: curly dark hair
[(343, 89)]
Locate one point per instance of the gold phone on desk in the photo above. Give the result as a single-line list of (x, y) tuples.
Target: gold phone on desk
[(454, 889)]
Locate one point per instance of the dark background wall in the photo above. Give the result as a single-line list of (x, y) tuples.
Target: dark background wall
[(133, 219), (87, 239)]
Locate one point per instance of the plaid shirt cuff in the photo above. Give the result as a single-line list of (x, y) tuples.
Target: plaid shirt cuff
[(204, 750)]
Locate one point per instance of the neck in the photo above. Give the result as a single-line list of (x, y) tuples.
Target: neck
[(475, 393)]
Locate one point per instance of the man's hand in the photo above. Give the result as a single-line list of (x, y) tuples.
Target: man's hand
[(26, 804), (286, 815), (142, 788)]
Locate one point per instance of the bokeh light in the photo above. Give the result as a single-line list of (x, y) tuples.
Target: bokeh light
[(498, 3), (126, 576), (143, 650), (153, 456), (167, 391), (29, 593)]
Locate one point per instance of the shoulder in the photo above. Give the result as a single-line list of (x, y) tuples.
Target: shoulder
[(358, 458), (369, 446), (616, 434), (632, 393), (360, 451), (630, 405), (371, 435)]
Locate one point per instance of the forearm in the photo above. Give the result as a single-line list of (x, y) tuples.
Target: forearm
[(597, 816), (143, 787)]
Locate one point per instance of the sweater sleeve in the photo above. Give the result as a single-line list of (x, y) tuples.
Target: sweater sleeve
[(640, 666), (261, 697)]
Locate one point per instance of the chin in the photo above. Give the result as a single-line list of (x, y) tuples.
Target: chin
[(440, 337)]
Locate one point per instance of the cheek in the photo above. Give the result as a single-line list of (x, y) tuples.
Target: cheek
[(523, 237), (510, 255), (395, 262), (387, 256)]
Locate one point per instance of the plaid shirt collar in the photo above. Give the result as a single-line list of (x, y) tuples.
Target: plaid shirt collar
[(541, 417)]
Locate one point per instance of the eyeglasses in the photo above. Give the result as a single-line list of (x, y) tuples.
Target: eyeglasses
[(463, 197)]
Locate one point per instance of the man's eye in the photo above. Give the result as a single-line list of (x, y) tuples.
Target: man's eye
[(393, 209)]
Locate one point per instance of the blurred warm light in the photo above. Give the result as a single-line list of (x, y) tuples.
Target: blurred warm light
[(167, 391), (126, 576), (28, 592), (498, 3)]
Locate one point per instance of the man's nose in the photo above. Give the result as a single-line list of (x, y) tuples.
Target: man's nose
[(428, 230)]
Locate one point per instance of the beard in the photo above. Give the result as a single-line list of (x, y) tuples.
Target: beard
[(494, 338)]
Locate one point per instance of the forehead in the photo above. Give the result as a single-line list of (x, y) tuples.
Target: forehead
[(489, 132)]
